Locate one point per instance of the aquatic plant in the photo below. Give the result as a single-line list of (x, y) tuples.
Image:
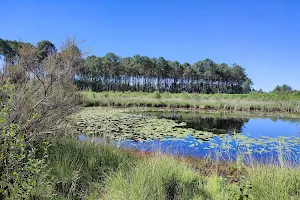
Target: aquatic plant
[(218, 123), (282, 151), (267, 168), (116, 124)]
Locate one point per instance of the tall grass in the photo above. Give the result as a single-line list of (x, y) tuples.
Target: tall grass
[(289, 103), (85, 170), (271, 166), (163, 177), (80, 168), (157, 178), (274, 182), (243, 179)]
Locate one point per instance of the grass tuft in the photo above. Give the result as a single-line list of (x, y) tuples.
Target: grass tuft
[(79, 167), (157, 178)]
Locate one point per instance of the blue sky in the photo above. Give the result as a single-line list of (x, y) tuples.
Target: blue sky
[(261, 35)]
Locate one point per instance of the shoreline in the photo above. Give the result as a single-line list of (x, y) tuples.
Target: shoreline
[(265, 104), (208, 111)]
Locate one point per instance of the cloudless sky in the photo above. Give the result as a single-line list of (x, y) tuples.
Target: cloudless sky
[(263, 36)]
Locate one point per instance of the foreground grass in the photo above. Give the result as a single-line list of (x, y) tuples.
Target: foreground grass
[(84, 170), (79, 169), (275, 182), (157, 178), (232, 102)]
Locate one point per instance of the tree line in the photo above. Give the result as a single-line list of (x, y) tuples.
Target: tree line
[(141, 73), (282, 89)]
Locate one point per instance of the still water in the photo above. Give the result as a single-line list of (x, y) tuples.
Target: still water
[(226, 127), (220, 123), (223, 125)]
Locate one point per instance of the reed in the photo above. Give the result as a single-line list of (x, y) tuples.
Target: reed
[(268, 103)]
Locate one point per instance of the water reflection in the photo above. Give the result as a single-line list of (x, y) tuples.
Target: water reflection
[(230, 124), (217, 125), (261, 136), (262, 150), (254, 129)]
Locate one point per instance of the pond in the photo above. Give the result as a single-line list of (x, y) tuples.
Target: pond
[(201, 134), (262, 133), (222, 123)]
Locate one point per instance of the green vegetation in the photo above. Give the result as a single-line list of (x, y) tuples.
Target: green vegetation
[(79, 169), (116, 124), (141, 73), (283, 89), (85, 170), (289, 103), (274, 182), (23, 174), (157, 178), (38, 95)]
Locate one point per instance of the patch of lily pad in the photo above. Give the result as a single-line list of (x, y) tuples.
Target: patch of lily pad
[(117, 123)]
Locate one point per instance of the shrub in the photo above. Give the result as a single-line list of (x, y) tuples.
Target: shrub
[(23, 175)]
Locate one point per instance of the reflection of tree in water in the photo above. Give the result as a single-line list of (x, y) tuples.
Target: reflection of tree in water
[(217, 125), (210, 123), (291, 120)]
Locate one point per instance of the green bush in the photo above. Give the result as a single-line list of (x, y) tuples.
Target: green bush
[(23, 174)]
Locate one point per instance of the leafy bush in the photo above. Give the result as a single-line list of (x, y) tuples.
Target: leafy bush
[(36, 94), (22, 174)]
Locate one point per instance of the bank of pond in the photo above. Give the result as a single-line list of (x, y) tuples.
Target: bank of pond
[(142, 153), (259, 103), (216, 135), (93, 170)]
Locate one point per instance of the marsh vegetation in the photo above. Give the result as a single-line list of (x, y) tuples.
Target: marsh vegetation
[(264, 103), (186, 133), (41, 156), (116, 124), (92, 170)]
